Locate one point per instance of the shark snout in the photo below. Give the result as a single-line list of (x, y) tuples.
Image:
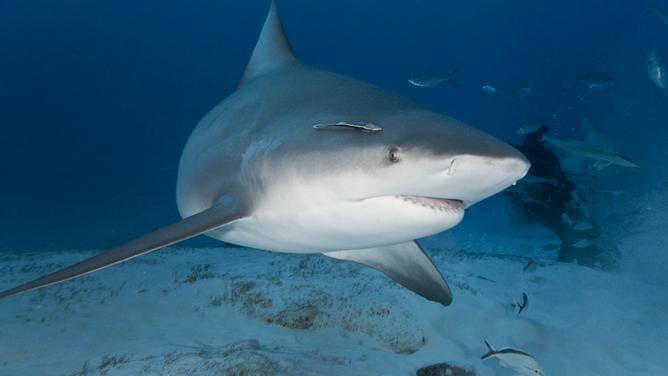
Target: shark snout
[(472, 178)]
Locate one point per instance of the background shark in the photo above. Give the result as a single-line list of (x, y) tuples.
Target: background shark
[(656, 68), (261, 170)]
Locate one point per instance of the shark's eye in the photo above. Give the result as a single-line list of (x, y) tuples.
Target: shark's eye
[(393, 155)]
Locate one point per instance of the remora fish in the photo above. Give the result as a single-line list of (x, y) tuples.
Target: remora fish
[(581, 149), (429, 79), (656, 68), (300, 160), (593, 82), (521, 362)]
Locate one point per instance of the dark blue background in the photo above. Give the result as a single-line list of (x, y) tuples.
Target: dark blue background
[(98, 98)]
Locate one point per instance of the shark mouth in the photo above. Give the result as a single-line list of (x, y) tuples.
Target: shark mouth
[(440, 204)]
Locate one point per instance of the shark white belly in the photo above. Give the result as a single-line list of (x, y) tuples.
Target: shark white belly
[(323, 227)]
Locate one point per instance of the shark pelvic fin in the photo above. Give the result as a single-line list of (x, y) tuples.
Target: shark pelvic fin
[(189, 227), (405, 263), (272, 49)]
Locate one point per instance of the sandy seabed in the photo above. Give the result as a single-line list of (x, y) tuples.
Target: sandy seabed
[(234, 311)]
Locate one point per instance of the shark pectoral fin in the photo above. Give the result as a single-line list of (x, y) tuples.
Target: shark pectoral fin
[(189, 227), (405, 263)]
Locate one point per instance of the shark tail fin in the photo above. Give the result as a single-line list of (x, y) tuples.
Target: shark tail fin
[(490, 350), (189, 227)]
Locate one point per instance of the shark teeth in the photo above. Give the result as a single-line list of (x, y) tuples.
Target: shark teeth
[(438, 204)]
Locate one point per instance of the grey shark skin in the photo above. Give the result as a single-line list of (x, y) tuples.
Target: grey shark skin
[(306, 161)]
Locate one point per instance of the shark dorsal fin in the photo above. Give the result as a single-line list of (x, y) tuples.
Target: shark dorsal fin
[(272, 49)]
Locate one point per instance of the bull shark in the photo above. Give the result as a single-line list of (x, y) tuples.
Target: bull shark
[(582, 149), (301, 160)]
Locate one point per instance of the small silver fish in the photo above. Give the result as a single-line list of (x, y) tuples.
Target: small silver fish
[(525, 303), (489, 89), (523, 363), (593, 82), (429, 79), (656, 68)]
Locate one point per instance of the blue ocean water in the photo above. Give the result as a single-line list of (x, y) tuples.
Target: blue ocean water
[(97, 100)]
